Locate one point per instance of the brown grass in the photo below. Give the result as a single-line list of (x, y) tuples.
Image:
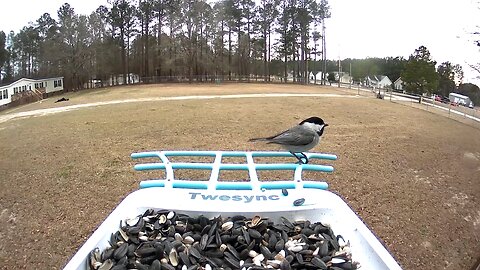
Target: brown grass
[(413, 176)]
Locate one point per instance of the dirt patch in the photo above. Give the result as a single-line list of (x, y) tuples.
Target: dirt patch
[(403, 170)]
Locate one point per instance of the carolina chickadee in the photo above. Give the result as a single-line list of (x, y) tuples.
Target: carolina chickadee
[(300, 138)]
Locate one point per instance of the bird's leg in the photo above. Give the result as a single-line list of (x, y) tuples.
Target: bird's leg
[(300, 161)]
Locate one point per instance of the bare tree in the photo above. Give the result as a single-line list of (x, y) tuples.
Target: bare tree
[(122, 17), (267, 13)]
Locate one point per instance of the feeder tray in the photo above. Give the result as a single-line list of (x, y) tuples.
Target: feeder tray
[(226, 198)]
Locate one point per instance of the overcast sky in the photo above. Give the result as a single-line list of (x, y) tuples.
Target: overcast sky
[(357, 28)]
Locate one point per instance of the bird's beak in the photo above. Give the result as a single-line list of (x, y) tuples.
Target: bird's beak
[(325, 125)]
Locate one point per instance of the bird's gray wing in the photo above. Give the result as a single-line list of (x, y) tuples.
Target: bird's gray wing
[(297, 135)]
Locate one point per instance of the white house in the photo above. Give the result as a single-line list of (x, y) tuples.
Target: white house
[(315, 76), (38, 86), (343, 76), (398, 84), (118, 79), (378, 81)]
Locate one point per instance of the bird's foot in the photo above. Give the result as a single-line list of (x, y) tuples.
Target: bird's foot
[(301, 160)]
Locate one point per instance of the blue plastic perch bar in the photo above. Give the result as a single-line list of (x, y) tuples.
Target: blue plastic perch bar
[(217, 166), (209, 166), (229, 154)]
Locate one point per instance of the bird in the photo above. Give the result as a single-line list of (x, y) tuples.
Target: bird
[(300, 138)]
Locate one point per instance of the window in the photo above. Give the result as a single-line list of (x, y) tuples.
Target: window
[(5, 93), (46, 84), (30, 87), (57, 83), (36, 85)]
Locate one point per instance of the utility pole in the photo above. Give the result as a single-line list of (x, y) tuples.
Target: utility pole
[(339, 71), (351, 78), (324, 53)]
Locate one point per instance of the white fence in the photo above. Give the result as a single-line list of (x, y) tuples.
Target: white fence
[(458, 112), (448, 109)]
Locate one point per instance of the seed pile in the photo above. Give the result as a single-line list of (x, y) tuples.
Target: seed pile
[(167, 240)]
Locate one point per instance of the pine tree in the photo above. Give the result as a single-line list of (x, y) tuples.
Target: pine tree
[(420, 76)]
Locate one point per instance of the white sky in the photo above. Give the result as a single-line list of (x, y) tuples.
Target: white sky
[(357, 29)]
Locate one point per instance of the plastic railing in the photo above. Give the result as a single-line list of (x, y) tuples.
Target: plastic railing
[(216, 166)]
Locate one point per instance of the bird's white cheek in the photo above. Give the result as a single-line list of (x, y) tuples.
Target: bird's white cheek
[(319, 128)]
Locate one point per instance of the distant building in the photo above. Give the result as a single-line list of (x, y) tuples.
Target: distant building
[(460, 99), (344, 77), (313, 76), (398, 84), (12, 91), (289, 76), (378, 81), (118, 79)]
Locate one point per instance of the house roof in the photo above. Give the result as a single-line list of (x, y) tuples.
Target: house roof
[(376, 78), (29, 79), (458, 95), (398, 80)]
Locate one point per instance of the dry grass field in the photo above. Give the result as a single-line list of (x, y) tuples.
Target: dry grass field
[(413, 176)]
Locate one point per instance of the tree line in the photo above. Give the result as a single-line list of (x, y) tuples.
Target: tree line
[(420, 73), (191, 38)]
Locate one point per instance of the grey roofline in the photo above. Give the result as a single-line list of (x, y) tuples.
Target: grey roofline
[(26, 78)]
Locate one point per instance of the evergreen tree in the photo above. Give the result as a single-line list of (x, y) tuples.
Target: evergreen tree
[(420, 76), (446, 76)]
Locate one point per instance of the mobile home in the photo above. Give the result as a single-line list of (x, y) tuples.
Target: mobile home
[(39, 86)]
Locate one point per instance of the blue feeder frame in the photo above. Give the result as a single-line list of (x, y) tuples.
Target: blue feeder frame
[(216, 166)]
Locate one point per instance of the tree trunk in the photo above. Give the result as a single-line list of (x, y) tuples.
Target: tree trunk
[(265, 53), (239, 56), (269, 53), (127, 56), (247, 64), (159, 45), (142, 47), (124, 60), (147, 46), (170, 72), (221, 52), (229, 54)]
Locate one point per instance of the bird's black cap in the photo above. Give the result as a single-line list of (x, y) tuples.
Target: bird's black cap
[(314, 120)]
